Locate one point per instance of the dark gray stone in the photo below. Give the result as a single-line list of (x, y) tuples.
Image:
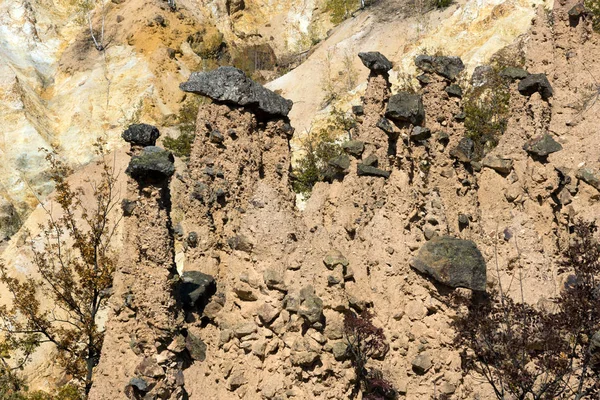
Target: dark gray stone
[(216, 137), (196, 347), (141, 135), (231, 85), (385, 125), (453, 262), (358, 110), (311, 307), (340, 162), (371, 160), (375, 61), (443, 137), (241, 243), (420, 133), (588, 177), (498, 164), (542, 145), (460, 117), (536, 83), (424, 79), (421, 363), (196, 288), (139, 383), (153, 163), (354, 147), (192, 239), (454, 91), (128, 207), (366, 170), (406, 107), (514, 73), (463, 151), (447, 67)]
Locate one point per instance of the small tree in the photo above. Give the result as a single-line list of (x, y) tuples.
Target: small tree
[(527, 353), (74, 264), (366, 341)]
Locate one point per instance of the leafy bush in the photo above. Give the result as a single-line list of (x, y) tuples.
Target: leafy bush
[(529, 353), (593, 7), (182, 145), (340, 9), (366, 341)]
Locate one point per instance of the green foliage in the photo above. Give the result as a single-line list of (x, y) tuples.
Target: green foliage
[(593, 7), (340, 9), (67, 392), (441, 3), (487, 111), (320, 146), (182, 145)]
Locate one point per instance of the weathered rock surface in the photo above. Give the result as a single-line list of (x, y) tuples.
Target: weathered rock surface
[(453, 262), (514, 73), (536, 83), (196, 288), (542, 146), (141, 135), (406, 107), (447, 67), (230, 85), (463, 151), (376, 62), (153, 163), (501, 165)]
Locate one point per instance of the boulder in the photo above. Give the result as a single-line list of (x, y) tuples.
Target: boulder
[(577, 12), (419, 133), (196, 347), (311, 307), (367, 170), (340, 162), (463, 151), (371, 160), (354, 147), (196, 288), (421, 363), (375, 61), (406, 107), (267, 313), (340, 351), (274, 279), (152, 164), (514, 73), (588, 177), (454, 91), (141, 135), (447, 67), (501, 165), (231, 85), (542, 145), (385, 125), (536, 83), (452, 262)]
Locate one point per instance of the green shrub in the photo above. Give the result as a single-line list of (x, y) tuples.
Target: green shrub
[(487, 111), (340, 9), (593, 7), (182, 145), (441, 3)]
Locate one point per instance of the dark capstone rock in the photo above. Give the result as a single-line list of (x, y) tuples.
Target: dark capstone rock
[(358, 110), (447, 67), (536, 83), (588, 177), (375, 61), (196, 347), (577, 12), (192, 239), (139, 384), (542, 145), (196, 288), (153, 163), (498, 164), (454, 91), (128, 207), (371, 160), (141, 135), (453, 262), (340, 162), (420, 133), (216, 137), (231, 85), (424, 79), (463, 151), (367, 170), (354, 147), (514, 73), (406, 107), (385, 125)]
